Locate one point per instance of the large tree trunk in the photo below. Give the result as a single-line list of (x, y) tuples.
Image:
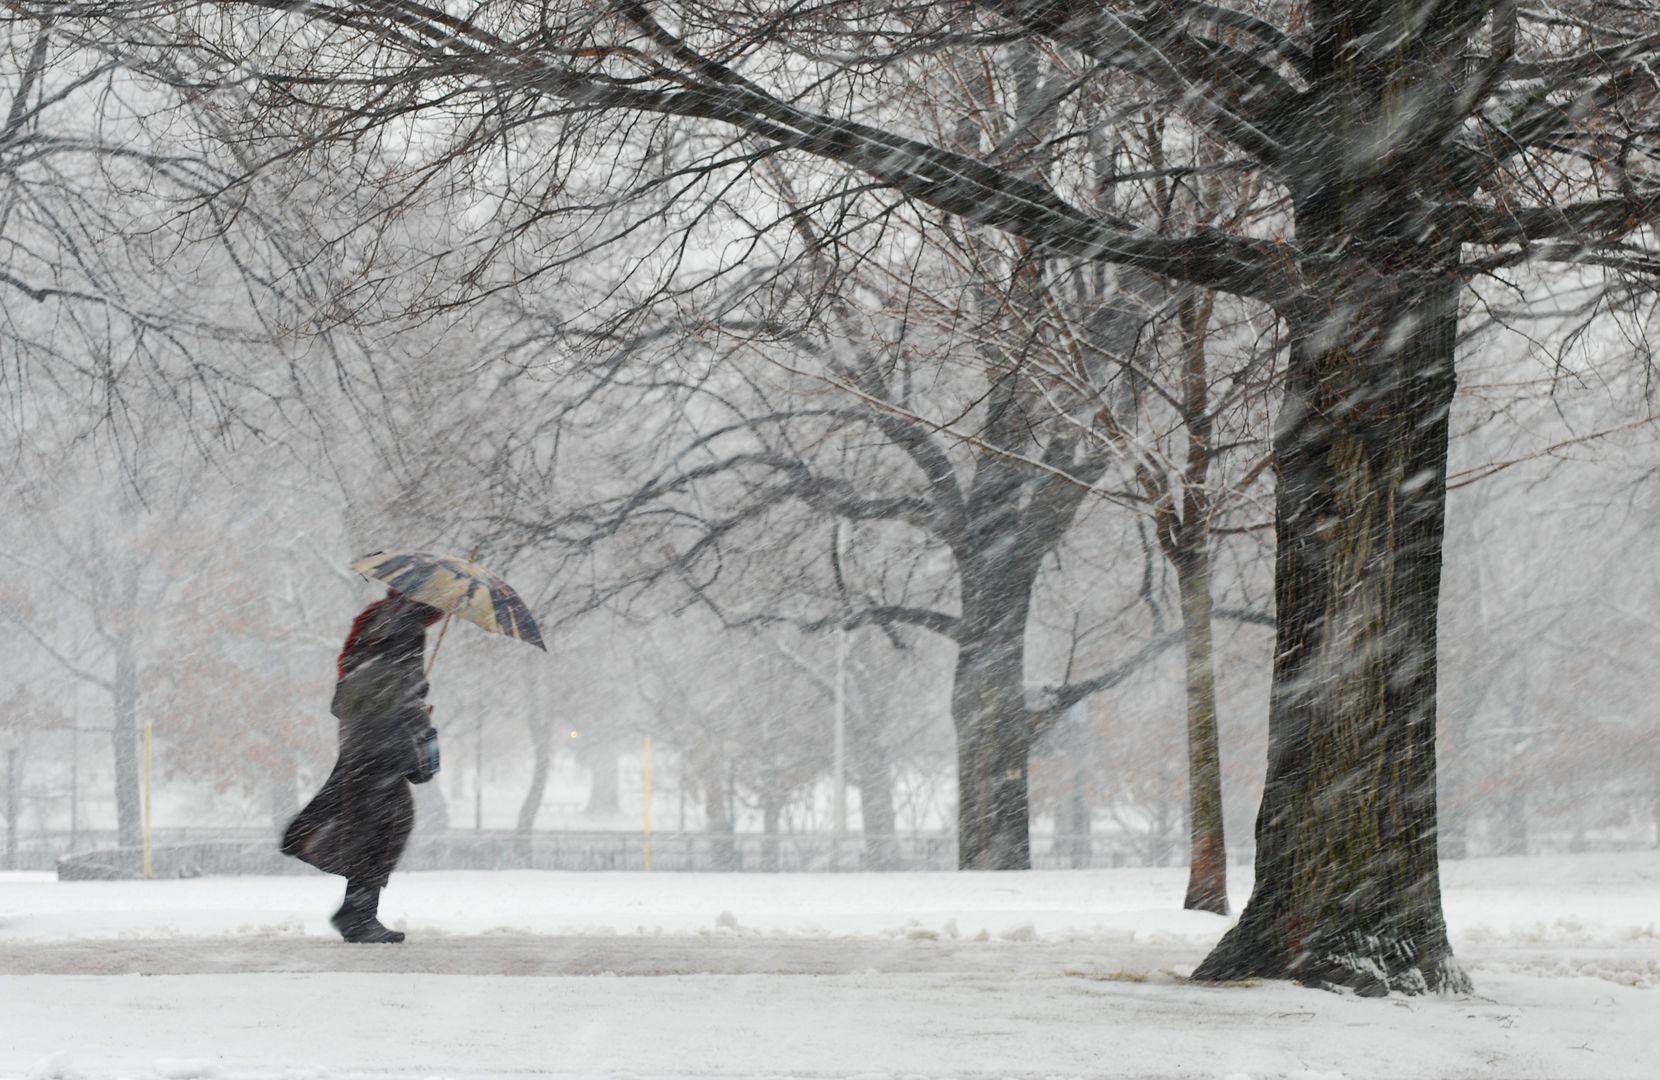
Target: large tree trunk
[(1207, 882), (1348, 886), (994, 731), (993, 801)]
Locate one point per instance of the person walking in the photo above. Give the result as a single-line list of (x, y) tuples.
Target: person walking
[(359, 821)]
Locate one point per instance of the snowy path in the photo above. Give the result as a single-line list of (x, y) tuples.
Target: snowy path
[(999, 1011), (849, 977), (1635, 964), (521, 955)]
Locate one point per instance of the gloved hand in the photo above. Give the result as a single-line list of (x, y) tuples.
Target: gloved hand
[(426, 757)]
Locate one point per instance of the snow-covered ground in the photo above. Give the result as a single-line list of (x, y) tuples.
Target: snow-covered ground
[(646, 976)]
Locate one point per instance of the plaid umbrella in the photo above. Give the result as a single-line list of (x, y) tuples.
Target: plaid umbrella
[(456, 587)]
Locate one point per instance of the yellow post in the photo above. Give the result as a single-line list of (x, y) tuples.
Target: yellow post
[(472, 557), (648, 800), (147, 759)]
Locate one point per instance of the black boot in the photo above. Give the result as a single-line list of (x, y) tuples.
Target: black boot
[(356, 920)]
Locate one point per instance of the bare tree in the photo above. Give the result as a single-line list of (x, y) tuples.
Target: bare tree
[(744, 720), (1418, 146), (101, 563), (1191, 425)]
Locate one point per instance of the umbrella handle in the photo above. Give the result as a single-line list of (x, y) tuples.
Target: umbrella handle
[(448, 615), (442, 630)]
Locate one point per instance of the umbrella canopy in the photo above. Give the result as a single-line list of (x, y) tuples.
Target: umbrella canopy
[(455, 587)]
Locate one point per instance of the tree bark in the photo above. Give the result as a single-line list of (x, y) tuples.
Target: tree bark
[(994, 734), (993, 798), (1348, 888), (1347, 877), (1207, 882)]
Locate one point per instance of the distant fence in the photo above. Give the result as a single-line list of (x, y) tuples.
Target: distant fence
[(253, 852), (197, 852)]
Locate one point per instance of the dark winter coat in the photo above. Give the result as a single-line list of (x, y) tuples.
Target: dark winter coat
[(359, 821)]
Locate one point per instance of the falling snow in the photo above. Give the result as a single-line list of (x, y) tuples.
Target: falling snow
[(856, 541)]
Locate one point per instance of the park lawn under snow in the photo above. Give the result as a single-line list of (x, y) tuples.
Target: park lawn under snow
[(643, 976)]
